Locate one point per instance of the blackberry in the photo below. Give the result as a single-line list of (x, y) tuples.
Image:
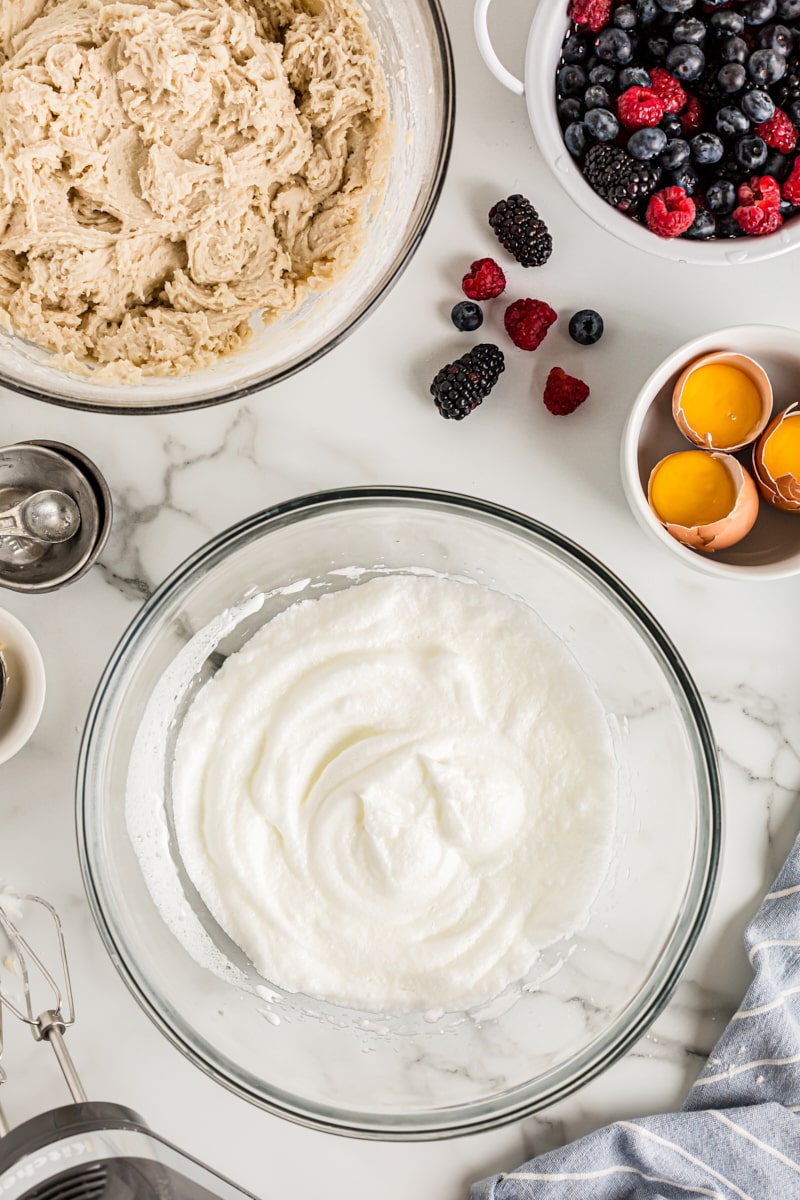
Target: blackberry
[(464, 384), (617, 178), (521, 231), (789, 87), (708, 91)]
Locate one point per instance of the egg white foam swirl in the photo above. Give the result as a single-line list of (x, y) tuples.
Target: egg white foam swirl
[(395, 795)]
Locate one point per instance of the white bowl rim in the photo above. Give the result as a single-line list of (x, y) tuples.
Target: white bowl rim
[(629, 450)]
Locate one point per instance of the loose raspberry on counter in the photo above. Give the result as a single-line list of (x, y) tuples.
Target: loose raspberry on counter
[(564, 393), (670, 212), (778, 132), (593, 13), (527, 322), (692, 116), (791, 186), (484, 280), (668, 90), (638, 107)]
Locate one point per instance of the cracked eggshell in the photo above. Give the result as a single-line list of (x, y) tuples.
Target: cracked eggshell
[(782, 493), (749, 367), (729, 530)]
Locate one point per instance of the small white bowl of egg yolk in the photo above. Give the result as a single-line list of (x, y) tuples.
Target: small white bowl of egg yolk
[(711, 453)]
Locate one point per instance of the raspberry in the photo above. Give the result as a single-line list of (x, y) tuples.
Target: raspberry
[(638, 107), (762, 191), (564, 393), (791, 188), (667, 88), (484, 280), (755, 221), (670, 212), (527, 322), (692, 115), (594, 13), (778, 132)]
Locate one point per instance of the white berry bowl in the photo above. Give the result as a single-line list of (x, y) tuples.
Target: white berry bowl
[(547, 31), (771, 550)]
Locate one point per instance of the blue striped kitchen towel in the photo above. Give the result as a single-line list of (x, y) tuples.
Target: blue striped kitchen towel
[(737, 1137)]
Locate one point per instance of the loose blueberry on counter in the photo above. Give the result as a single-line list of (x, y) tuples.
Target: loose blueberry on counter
[(721, 197), (751, 152), (765, 66), (757, 105), (568, 111), (703, 226), (467, 316), (758, 12), (571, 80), (689, 30), (675, 154), (601, 124), (776, 37), (726, 21), (646, 143), (686, 62), (586, 327), (706, 149), (602, 76), (633, 77), (613, 46), (731, 78), (576, 138), (731, 122), (734, 49)]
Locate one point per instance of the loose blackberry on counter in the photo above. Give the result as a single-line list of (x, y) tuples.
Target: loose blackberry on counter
[(521, 231), (460, 386)]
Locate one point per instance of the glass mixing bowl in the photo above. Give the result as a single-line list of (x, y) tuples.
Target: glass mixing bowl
[(415, 52), (586, 1000)]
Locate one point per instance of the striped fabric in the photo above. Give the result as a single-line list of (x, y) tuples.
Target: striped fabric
[(737, 1137)]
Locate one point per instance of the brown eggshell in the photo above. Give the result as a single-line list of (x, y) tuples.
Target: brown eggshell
[(783, 493), (749, 367), (729, 530)]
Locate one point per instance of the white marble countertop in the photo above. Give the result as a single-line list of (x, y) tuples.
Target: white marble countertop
[(363, 415)]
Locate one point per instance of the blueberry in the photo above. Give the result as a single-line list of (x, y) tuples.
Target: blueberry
[(685, 177), (777, 165), (675, 154), (731, 122), (625, 16), (596, 97), (671, 125), (633, 77), (648, 10), (787, 209), (703, 226), (467, 316), (725, 21), (646, 143), (676, 6), (758, 12), (776, 37), (789, 10), (765, 66), (793, 111), (731, 78), (575, 138), (733, 49), (602, 76), (689, 30), (614, 46), (721, 196), (706, 148), (571, 80), (728, 228), (586, 327), (575, 49), (601, 124), (757, 105), (569, 111), (751, 152), (658, 48), (687, 62)]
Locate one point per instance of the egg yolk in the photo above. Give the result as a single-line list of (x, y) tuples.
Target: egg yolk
[(692, 488), (781, 453), (721, 402)]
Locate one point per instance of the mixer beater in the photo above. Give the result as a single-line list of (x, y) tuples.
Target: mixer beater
[(84, 1150)]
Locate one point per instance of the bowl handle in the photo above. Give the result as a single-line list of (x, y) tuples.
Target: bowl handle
[(487, 50)]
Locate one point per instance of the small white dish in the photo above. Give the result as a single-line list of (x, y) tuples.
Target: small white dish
[(772, 548), (23, 699)]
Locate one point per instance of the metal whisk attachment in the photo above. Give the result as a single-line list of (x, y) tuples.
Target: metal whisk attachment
[(50, 1024)]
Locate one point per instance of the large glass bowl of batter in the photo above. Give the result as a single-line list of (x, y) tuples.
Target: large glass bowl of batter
[(587, 998), (415, 53)]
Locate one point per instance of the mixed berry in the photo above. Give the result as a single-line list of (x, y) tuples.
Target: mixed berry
[(684, 114)]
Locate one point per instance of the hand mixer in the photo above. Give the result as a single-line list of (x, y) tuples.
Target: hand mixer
[(84, 1150)]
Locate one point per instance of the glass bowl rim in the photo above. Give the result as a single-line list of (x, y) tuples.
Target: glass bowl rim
[(655, 992), (377, 294)]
